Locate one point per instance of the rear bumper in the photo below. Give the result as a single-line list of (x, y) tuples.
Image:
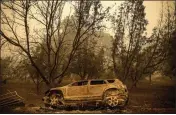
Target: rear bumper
[(123, 101)]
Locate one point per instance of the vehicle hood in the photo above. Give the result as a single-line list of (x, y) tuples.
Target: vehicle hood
[(57, 88)]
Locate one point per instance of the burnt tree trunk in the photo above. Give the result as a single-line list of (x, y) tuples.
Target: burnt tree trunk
[(150, 78), (38, 85), (0, 53)]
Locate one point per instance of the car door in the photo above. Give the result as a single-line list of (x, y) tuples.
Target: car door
[(96, 88), (77, 91)]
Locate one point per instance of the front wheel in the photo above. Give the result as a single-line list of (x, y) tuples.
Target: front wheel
[(56, 100)]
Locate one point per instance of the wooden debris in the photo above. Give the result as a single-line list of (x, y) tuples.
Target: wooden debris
[(11, 99)]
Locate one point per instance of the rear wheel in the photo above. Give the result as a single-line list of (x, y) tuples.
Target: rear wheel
[(110, 98)]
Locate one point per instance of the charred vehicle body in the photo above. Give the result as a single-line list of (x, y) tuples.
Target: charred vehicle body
[(111, 93)]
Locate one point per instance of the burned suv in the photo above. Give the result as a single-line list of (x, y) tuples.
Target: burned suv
[(110, 92)]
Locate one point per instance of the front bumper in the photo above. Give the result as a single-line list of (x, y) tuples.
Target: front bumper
[(46, 100)]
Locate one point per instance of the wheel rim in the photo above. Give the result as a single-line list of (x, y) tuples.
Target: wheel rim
[(112, 101), (54, 100)]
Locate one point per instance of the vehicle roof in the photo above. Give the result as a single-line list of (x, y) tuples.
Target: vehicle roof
[(95, 79)]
